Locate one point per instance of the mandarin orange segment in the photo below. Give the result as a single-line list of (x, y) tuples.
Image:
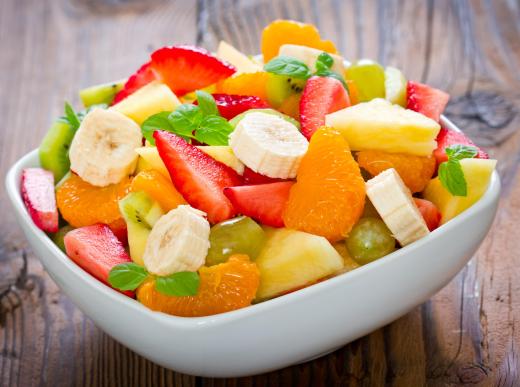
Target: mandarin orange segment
[(245, 84), (416, 171), (282, 32), (352, 92), (329, 195), (223, 288), (291, 106), (82, 204), (158, 187)]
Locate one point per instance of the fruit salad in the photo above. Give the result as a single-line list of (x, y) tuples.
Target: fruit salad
[(206, 182)]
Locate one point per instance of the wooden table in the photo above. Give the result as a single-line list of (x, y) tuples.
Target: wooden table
[(469, 333)]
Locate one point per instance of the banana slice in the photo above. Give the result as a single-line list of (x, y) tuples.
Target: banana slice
[(309, 55), (103, 149), (268, 145), (179, 241), (393, 201)]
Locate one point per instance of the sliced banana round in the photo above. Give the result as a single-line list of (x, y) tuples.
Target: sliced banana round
[(269, 145), (103, 149), (179, 241)]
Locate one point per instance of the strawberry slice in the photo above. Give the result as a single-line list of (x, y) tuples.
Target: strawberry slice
[(231, 105), (38, 196), (96, 250), (430, 213), (198, 177), (321, 96), (446, 138), (186, 68), (264, 203), (426, 100), (253, 178), (142, 77)]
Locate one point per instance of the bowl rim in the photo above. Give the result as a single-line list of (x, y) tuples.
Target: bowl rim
[(31, 158)]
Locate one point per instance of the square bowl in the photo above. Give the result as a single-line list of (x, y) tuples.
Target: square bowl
[(280, 332)]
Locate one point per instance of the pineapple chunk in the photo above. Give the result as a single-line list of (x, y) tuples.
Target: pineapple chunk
[(151, 158), (291, 259), (477, 173), (153, 98), (223, 153), (241, 62), (379, 125), (309, 55)]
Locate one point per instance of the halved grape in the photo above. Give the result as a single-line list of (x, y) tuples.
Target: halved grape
[(369, 240), (369, 78), (240, 235)]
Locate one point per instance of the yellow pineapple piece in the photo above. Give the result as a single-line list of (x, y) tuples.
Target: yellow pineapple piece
[(150, 99), (379, 125), (477, 173), (241, 61), (222, 153), (291, 259)]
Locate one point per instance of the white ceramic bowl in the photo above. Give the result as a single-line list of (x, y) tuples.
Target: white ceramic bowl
[(280, 332)]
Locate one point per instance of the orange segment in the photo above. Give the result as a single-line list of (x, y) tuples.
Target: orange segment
[(158, 187), (352, 91), (416, 171), (224, 287), (282, 32), (82, 204), (245, 84), (329, 195)]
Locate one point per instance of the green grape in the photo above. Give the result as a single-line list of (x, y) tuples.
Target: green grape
[(369, 240), (57, 237), (240, 235), (369, 78)]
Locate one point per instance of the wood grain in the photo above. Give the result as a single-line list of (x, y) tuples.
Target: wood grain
[(466, 334)]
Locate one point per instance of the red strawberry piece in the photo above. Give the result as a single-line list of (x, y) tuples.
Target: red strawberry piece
[(446, 138), (197, 176), (264, 203), (429, 212), (426, 100), (39, 198), (142, 77), (231, 105), (251, 177), (96, 250), (186, 68), (321, 96)]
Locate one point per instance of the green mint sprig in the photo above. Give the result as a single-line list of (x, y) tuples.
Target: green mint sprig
[(450, 172), (129, 276), (74, 119), (200, 122), (291, 67)]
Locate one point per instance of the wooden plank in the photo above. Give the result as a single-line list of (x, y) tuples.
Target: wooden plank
[(466, 334)]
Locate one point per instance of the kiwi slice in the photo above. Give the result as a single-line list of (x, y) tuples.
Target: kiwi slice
[(235, 120), (140, 213), (281, 87), (54, 149), (101, 94)]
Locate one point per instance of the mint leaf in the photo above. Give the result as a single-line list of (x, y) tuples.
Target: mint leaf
[(184, 283), (459, 152), (452, 178), (185, 119), (214, 130), (71, 117), (127, 276), (285, 65), (324, 62), (158, 121), (207, 103)]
